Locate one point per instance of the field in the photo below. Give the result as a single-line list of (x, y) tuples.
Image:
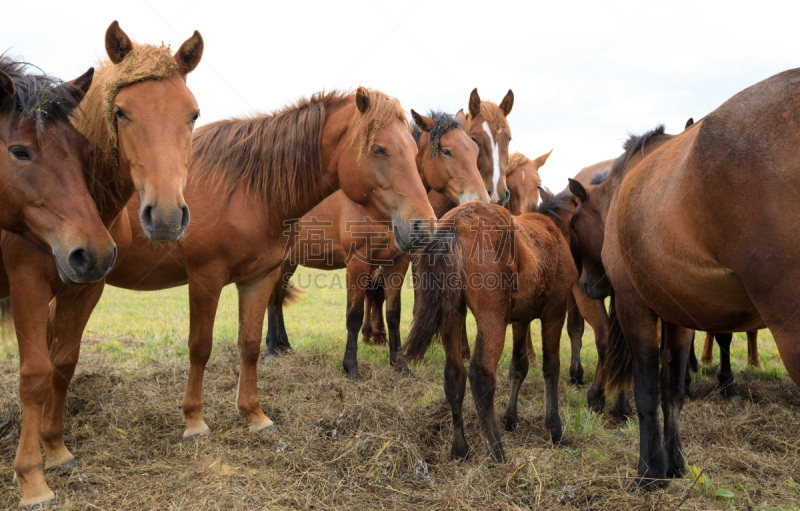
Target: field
[(383, 442)]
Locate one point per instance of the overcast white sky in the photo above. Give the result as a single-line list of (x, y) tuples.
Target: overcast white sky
[(584, 73)]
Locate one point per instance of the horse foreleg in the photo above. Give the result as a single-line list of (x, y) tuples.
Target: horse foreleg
[(357, 279), (69, 316), (253, 299), (203, 300), (393, 278), (725, 376), (707, 356), (552, 325), (30, 297), (489, 344), (674, 367), (752, 349), (517, 371), (277, 338), (594, 313)]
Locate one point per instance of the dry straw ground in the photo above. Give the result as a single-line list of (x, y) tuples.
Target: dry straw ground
[(381, 443)]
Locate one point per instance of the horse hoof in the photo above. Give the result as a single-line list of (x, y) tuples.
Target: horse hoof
[(404, 371), (66, 466), (353, 375), (729, 392), (510, 422), (380, 340), (196, 438), (647, 484), (270, 357), (47, 503)]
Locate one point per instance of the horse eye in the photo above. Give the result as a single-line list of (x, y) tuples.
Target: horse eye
[(378, 150), (20, 153), (121, 114), (195, 117), (446, 152)]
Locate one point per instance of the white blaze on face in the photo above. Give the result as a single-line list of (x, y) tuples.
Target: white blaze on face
[(495, 162)]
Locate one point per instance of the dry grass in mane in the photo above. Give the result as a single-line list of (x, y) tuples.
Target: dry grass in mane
[(278, 156), (515, 161), (97, 122), (494, 117)]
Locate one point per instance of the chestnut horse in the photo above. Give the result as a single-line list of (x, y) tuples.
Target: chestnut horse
[(505, 269), (138, 115), (251, 179), (680, 245), (42, 191), (446, 162)]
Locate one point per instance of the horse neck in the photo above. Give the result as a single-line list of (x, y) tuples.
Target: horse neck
[(420, 160), (109, 183)]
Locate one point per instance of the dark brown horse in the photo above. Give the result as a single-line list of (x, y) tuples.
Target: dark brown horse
[(251, 181), (138, 115), (42, 191), (339, 234), (680, 243), (505, 269)]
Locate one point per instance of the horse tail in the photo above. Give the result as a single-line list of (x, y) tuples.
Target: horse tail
[(438, 268), (291, 294), (619, 363), (6, 318)]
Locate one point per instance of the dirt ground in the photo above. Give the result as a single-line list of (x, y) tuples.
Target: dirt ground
[(383, 443)]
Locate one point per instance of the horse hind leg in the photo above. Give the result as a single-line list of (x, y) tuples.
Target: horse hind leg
[(375, 299), (727, 387), (489, 344), (517, 371), (455, 382), (707, 356), (672, 395)]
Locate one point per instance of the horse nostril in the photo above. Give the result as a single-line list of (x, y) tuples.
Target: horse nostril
[(185, 217), (490, 192), (146, 217), (80, 260)]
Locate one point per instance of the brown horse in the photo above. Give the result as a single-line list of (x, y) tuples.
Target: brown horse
[(270, 170), (505, 269), (680, 243), (138, 115), (488, 127), (42, 191), (446, 162)]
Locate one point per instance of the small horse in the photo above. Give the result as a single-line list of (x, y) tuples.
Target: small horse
[(505, 269), (43, 194), (339, 234), (680, 244), (251, 181), (138, 115)]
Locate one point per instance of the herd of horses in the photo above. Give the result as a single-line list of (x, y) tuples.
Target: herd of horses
[(683, 232)]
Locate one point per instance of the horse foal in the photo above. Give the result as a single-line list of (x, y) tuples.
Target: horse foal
[(505, 270)]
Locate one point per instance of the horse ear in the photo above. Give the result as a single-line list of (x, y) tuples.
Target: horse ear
[(461, 118), (118, 44), (544, 193), (541, 160), (422, 122), (362, 99), (190, 53), (577, 189), (79, 87), (689, 122), (507, 103), (7, 90), (474, 103)]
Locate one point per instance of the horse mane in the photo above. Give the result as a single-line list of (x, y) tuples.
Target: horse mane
[(553, 203), (515, 161), (278, 156), (444, 122), (38, 97), (631, 145), (98, 123), (494, 117), (600, 177)]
